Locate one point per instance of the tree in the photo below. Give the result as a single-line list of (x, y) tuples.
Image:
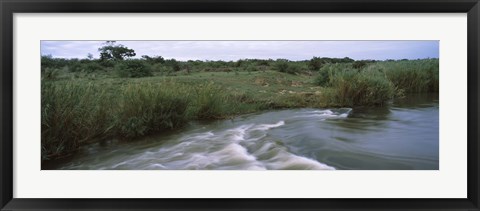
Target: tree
[(112, 51), (316, 63), (154, 60), (173, 64), (89, 56)]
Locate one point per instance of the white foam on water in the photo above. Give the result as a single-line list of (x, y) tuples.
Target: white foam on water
[(325, 114), (199, 136), (240, 148), (269, 126), (321, 116), (244, 147), (321, 111), (234, 154), (237, 134)]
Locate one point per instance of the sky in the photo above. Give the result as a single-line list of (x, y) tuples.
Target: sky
[(234, 50)]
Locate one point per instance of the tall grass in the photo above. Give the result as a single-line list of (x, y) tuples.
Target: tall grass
[(147, 108), (414, 76), (72, 114), (208, 101), (354, 88), (76, 112), (377, 83)]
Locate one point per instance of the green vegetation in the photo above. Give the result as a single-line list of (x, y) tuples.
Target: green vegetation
[(88, 100), (351, 88), (133, 69), (412, 76), (72, 113), (112, 51), (360, 83)]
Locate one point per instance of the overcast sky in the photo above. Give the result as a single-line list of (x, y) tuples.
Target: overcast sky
[(234, 50)]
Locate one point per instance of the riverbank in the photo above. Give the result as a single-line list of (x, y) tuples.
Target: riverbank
[(77, 111), (400, 136), (99, 106)]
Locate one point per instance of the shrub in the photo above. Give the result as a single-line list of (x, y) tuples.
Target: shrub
[(238, 63), (89, 67), (56, 63), (263, 63), (50, 74), (359, 64), (154, 60), (133, 69), (286, 66), (174, 64), (252, 68), (325, 73), (281, 65), (352, 88), (293, 69), (47, 62), (92, 67), (323, 77), (107, 63), (75, 67), (315, 63)]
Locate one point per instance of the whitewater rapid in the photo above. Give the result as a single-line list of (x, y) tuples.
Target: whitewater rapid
[(244, 147)]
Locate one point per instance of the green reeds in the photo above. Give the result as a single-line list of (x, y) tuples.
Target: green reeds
[(71, 115), (354, 88), (377, 83), (146, 108), (413, 76), (208, 101), (76, 112)]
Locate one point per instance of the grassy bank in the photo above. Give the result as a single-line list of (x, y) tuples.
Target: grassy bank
[(77, 112), (80, 106), (377, 83)]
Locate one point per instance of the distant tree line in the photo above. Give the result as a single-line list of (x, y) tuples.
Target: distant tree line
[(119, 58)]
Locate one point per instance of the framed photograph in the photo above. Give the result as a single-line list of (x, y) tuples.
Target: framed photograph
[(227, 105)]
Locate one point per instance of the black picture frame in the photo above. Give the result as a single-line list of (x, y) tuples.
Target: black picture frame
[(9, 7)]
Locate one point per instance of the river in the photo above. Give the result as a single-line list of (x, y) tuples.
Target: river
[(401, 136)]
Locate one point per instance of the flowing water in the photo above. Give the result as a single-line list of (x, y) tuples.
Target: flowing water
[(403, 135)]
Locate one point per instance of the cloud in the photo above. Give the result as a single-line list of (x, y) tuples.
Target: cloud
[(233, 50)]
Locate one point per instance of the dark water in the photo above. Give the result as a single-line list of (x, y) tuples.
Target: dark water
[(402, 136)]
